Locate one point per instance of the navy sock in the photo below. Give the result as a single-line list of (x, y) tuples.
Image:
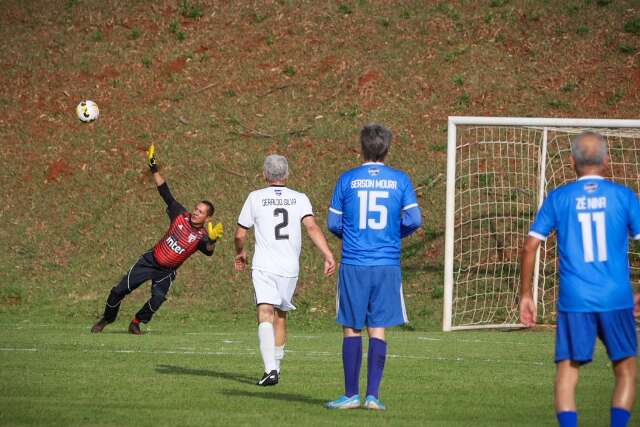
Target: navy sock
[(375, 365), (620, 417), (351, 361), (567, 419)]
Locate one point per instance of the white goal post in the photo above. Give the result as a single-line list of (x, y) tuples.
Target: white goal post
[(499, 169)]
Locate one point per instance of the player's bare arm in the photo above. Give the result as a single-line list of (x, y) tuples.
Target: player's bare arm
[(318, 239), (241, 256), (527, 260)]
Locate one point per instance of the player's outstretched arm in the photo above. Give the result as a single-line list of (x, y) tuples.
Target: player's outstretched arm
[(173, 207), (240, 239), (527, 261), (318, 239)]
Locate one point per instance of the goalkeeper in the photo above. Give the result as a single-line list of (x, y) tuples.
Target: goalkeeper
[(186, 234)]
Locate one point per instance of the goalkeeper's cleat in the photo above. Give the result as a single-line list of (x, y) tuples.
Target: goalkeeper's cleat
[(372, 403), (214, 232), (134, 328), (99, 326), (270, 378), (344, 402)]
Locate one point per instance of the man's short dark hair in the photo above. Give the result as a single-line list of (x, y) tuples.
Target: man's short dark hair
[(375, 140), (210, 208)]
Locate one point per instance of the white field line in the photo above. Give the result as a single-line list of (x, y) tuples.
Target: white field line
[(233, 335), (430, 358), (477, 341), (61, 327), (309, 354)]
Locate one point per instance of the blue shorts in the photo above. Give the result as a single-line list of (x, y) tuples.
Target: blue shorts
[(576, 335), (370, 296)]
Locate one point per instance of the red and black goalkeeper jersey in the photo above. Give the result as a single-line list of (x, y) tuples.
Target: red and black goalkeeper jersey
[(179, 242), (182, 239)]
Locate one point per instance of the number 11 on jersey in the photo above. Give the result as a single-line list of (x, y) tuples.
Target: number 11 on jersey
[(585, 219)]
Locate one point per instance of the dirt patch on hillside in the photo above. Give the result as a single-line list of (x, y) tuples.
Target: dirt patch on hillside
[(58, 169)]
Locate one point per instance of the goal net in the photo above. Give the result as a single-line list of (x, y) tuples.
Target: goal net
[(499, 169)]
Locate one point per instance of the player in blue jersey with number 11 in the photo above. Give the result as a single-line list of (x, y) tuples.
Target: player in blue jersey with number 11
[(593, 219), (372, 209)]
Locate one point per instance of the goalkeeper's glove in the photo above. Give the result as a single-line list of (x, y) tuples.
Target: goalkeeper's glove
[(215, 232), (151, 159)]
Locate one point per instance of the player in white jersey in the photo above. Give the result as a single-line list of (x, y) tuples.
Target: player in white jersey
[(276, 213)]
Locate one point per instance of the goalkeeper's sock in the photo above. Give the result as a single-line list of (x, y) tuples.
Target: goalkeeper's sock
[(351, 361), (375, 365), (279, 356), (567, 419), (267, 346), (620, 417)]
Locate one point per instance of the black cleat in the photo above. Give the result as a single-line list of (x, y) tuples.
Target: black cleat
[(99, 326), (269, 379), (134, 328)]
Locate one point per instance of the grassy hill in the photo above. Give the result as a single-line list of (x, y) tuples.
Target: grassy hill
[(219, 85)]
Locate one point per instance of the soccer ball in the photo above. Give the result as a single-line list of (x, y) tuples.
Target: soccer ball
[(87, 111)]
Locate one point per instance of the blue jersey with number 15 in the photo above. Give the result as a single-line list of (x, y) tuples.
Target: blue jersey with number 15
[(593, 219), (372, 208)]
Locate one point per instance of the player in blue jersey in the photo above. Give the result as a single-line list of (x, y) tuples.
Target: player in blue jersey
[(372, 209), (593, 218)]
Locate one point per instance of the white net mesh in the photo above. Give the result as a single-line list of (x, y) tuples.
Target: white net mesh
[(624, 160), (496, 198)]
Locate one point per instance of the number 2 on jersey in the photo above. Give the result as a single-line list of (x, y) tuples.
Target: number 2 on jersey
[(585, 219), (369, 203), (282, 224)]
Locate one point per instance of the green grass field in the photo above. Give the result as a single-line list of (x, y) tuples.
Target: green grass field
[(217, 85), (198, 374)]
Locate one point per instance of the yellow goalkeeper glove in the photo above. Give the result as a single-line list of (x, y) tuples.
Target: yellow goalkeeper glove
[(215, 232), (151, 158)]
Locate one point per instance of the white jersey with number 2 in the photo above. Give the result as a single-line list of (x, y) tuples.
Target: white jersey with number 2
[(276, 212)]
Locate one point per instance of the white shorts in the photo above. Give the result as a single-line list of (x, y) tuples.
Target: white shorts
[(270, 288)]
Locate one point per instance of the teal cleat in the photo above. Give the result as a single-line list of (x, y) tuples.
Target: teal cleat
[(344, 402), (371, 402)]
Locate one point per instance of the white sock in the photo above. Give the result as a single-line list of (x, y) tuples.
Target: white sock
[(267, 346), (279, 356)]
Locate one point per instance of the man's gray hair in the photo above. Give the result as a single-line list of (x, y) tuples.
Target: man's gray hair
[(375, 140), (276, 168), (587, 154)]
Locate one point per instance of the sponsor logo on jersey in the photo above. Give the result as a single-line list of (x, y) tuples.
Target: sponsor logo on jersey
[(172, 242), (278, 192), (180, 226), (590, 187), (374, 171)]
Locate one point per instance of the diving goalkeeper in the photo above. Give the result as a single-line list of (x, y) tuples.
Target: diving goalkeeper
[(186, 234)]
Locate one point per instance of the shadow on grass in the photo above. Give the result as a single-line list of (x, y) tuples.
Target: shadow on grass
[(180, 370), (274, 395)]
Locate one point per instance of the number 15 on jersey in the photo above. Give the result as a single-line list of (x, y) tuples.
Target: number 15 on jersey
[(369, 204)]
